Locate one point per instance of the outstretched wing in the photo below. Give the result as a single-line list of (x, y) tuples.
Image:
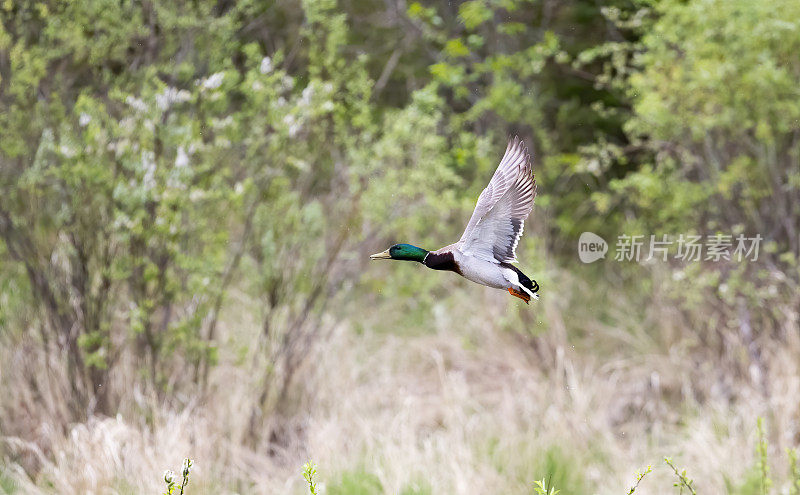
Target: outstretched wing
[(496, 224)]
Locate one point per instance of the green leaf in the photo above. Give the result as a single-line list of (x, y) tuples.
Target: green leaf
[(474, 13), (455, 48)]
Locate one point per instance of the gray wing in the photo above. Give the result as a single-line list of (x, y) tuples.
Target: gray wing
[(497, 223)]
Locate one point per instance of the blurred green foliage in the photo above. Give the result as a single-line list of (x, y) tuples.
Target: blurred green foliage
[(7, 485), (356, 483), (157, 154)]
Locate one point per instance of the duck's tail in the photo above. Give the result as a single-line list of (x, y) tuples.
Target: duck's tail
[(525, 283)]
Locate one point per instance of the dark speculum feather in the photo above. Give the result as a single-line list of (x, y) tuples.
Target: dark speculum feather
[(443, 261), (507, 252)]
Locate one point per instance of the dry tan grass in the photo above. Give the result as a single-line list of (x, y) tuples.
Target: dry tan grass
[(469, 407)]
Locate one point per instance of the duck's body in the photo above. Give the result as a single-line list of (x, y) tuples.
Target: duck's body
[(496, 275), (487, 248)]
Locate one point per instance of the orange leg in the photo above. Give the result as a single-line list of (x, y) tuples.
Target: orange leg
[(525, 297)]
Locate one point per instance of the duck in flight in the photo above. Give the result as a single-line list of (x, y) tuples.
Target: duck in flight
[(487, 248)]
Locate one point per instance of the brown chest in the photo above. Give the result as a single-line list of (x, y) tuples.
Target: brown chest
[(442, 261)]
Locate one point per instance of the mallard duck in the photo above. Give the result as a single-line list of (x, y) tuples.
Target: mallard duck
[(487, 248)]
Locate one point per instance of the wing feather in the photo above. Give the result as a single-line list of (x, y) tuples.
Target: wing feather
[(498, 220)]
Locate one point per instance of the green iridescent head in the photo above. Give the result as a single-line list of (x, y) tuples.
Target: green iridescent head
[(405, 252)]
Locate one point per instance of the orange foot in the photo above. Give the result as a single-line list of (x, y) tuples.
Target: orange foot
[(525, 297)]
